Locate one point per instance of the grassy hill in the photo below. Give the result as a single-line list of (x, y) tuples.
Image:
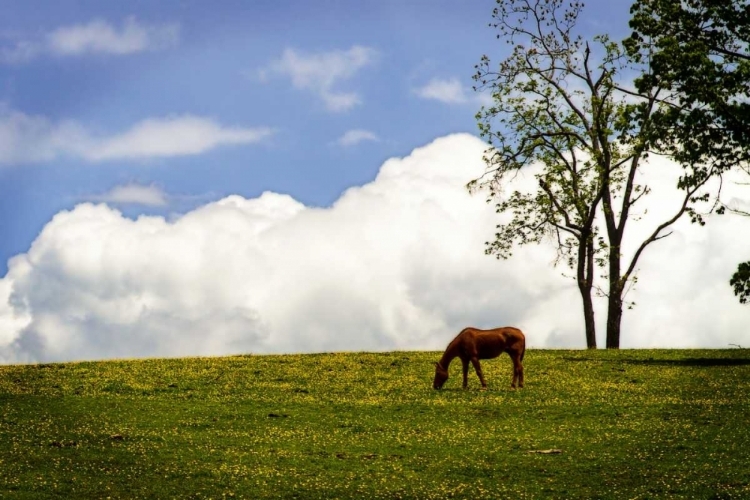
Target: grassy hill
[(628, 424)]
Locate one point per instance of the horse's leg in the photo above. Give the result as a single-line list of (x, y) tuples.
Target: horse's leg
[(465, 363), (478, 369), (517, 370)]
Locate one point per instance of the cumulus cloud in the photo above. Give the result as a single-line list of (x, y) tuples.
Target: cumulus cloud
[(322, 72), (356, 136), (30, 139), (96, 36), (395, 264), (133, 194)]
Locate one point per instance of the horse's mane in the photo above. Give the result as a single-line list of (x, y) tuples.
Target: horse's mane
[(456, 339)]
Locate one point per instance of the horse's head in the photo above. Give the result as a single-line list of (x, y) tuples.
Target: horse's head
[(441, 375)]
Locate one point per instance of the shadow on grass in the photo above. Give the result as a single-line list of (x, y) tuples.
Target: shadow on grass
[(691, 362), (672, 362)]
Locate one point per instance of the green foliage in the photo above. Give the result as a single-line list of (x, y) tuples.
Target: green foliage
[(695, 53), (630, 424), (741, 282)]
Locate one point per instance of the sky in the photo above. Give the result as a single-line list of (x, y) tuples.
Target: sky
[(186, 178)]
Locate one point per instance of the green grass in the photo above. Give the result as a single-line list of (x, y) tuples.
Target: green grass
[(630, 424)]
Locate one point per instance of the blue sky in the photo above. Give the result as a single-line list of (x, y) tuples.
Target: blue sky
[(203, 178), (211, 71), (204, 60)]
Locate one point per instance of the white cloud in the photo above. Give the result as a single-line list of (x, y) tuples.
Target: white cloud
[(97, 36), (449, 91), (20, 51), (184, 135), (133, 194), (394, 264), (355, 136), (452, 91), (321, 73), (31, 139)]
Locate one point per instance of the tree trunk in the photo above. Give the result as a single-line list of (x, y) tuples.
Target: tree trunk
[(588, 316), (614, 303), (585, 278), (614, 319)]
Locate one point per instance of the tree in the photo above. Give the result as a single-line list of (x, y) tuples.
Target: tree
[(699, 49), (741, 282), (562, 103), (540, 121)]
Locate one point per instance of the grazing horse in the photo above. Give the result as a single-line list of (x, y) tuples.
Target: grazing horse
[(473, 344)]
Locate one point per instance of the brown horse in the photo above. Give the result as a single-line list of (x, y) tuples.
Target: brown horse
[(473, 344)]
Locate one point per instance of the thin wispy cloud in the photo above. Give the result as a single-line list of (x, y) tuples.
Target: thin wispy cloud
[(322, 73), (101, 36), (452, 91), (356, 136), (31, 139), (133, 194), (95, 37), (449, 91), (179, 136), (19, 51)]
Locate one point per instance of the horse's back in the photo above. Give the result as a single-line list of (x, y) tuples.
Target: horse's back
[(493, 342), (511, 333)]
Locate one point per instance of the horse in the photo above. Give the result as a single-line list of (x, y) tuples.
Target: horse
[(473, 344)]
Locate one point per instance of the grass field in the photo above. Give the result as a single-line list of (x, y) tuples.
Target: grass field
[(629, 424)]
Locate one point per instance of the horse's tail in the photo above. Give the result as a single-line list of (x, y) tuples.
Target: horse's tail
[(523, 348)]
